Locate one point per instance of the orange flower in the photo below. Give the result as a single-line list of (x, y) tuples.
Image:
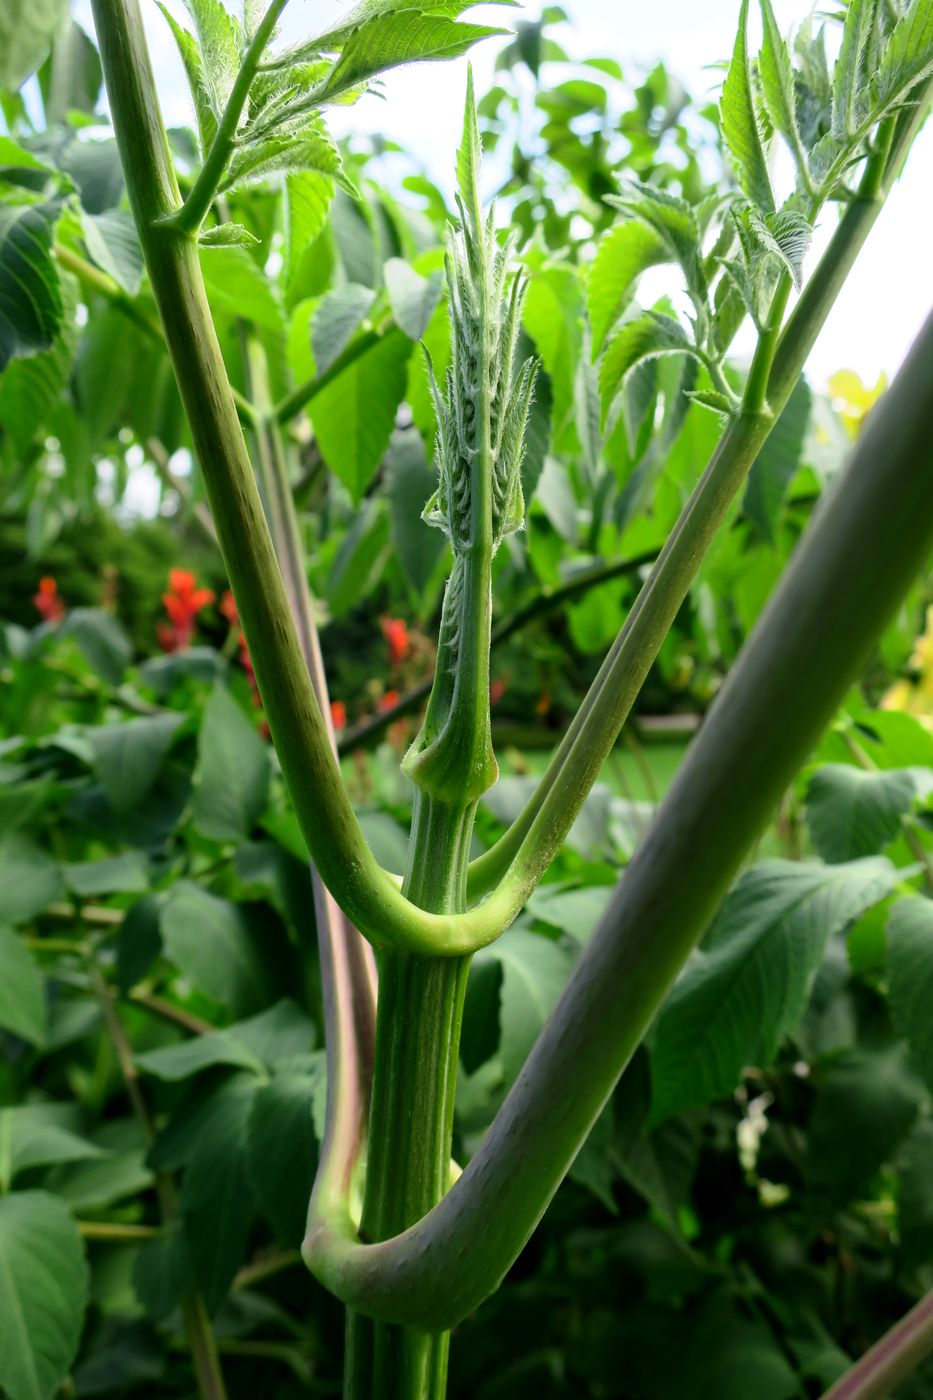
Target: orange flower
[(396, 634), (338, 714), (48, 602), (388, 701), (183, 601), (496, 691)]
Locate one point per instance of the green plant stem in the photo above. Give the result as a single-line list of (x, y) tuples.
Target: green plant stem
[(115, 1233), (348, 973), (548, 600), (201, 196), (97, 281), (892, 1359), (778, 364), (850, 572)]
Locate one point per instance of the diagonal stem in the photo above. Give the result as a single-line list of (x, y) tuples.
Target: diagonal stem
[(893, 1359), (858, 558)]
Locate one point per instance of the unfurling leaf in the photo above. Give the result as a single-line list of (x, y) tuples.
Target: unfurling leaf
[(643, 339), (740, 122)]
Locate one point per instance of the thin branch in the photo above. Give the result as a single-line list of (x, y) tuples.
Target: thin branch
[(109, 1233), (300, 397), (159, 456), (201, 196), (168, 1011)]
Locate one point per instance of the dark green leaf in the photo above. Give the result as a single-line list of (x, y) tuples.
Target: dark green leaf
[(127, 757), (123, 874), (778, 462), (139, 942), (162, 1272), (22, 990), (43, 1294), (282, 1153), (211, 942), (30, 879), (410, 482), (865, 1104), (30, 295), (853, 813), (737, 1000), (910, 976), (232, 777), (101, 641)]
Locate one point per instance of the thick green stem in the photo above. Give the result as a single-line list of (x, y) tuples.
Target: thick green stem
[(858, 558)]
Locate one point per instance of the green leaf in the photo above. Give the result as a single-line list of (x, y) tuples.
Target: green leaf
[(217, 36), (866, 1102), (308, 194), (311, 149), (232, 778), (737, 999), (70, 78), (139, 942), (411, 296), (354, 416), (849, 78), (914, 1198), (93, 1183), (282, 1152), (777, 79), (336, 318), (552, 316), (852, 813), (910, 977), (127, 873), (227, 236), (197, 81), (30, 879), (778, 462), (127, 757), (908, 55), (673, 221), (390, 39), (22, 990), (162, 1272), (623, 254), (238, 287), (31, 388), (113, 245), (211, 942), (281, 1033), (643, 339), (409, 483), (43, 1294), (217, 1199), (30, 294), (740, 123), (40, 1135), (534, 973), (27, 28), (101, 641)]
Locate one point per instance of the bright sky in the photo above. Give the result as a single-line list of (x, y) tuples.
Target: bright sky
[(888, 294)]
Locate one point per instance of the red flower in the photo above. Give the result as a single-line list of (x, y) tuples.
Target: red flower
[(47, 601), (388, 701), (183, 602), (228, 609), (496, 691), (396, 634), (338, 714)]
